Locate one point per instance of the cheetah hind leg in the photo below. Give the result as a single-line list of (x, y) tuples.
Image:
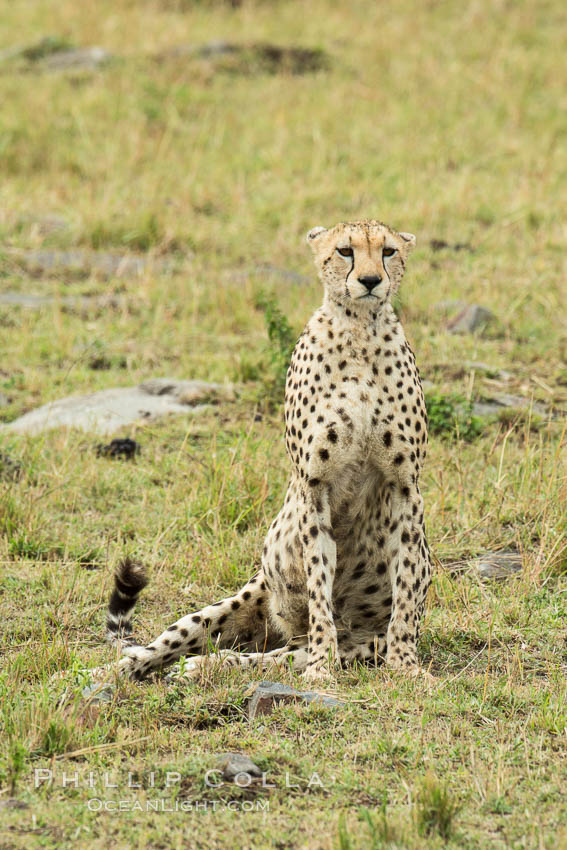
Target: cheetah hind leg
[(292, 656), (237, 621)]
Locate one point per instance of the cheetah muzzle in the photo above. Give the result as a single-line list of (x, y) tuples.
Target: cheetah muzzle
[(345, 566)]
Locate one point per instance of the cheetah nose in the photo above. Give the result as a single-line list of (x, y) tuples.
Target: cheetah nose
[(370, 281)]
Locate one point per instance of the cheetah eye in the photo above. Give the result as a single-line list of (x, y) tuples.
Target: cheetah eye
[(345, 252), (388, 252)]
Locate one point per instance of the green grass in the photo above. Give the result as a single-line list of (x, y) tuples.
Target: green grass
[(445, 119)]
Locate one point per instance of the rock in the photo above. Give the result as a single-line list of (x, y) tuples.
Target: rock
[(10, 470), (232, 764), (189, 392), (268, 695), (506, 401), (449, 306), (21, 299), (206, 50), (99, 692), (488, 370), (472, 318), (84, 263), (119, 448), (254, 57), (79, 59), (106, 411), (4, 401), (13, 804), (83, 302), (498, 565), (45, 223), (46, 46), (440, 245), (267, 270)]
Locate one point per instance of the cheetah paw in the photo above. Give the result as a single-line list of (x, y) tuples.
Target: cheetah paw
[(318, 673), (186, 670)]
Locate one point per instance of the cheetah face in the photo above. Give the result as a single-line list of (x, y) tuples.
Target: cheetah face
[(360, 262)]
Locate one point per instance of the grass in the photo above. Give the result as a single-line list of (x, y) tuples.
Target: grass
[(440, 118)]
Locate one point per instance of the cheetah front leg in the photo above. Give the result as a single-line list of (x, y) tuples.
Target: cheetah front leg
[(409, 572), (319, 562)]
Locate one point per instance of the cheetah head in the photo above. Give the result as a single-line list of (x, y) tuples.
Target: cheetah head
[(361, 261)]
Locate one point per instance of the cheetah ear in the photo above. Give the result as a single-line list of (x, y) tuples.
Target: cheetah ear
[(314, 233), (409, 238)]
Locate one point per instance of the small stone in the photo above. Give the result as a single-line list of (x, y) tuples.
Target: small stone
[(449, 306), (13, 804), (253, 57), (119, 448), (440, 245), (46, 46), (498, 565), (233, 764), (208, 49), (80, 59), (488, 370), (66, 302), (472, 318), (506, 401), (10, 470), (267, 270), (99, 692), (268, 695), (4, 400), (44, 224), (79, 263)]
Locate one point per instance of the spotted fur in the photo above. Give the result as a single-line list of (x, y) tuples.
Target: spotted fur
[(345, 564)]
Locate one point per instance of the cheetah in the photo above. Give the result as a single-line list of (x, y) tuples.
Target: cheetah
[(345, 566)]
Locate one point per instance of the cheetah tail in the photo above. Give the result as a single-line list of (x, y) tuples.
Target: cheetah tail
[(130, 579)]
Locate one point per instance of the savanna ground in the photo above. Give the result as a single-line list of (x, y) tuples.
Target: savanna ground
[(443, 118)]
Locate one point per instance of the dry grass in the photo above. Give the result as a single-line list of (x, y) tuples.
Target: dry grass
[(441, 118)]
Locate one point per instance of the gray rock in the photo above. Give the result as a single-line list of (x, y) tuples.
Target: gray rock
[(268, 695), (21, 299), (79, 59), (261, 57), (12, 803), (470, 319), (10, 469), (506, 401), (84, 302), (450, 305), (232, 764), (108, 410), (45, 223), (267, 270), (36, 51), (498, 565), (83, 263), (4, 401), (488, 370), (99, 692), (441, 244), (206, 50)]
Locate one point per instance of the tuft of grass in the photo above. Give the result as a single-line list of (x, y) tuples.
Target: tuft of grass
[(282, 339), (435, 808), (451, 417)]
